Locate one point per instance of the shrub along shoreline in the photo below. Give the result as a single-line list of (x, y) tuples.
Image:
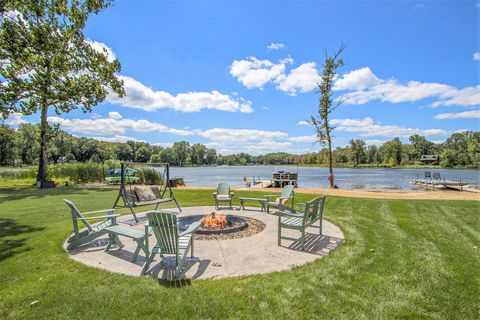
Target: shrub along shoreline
[(87, 172)]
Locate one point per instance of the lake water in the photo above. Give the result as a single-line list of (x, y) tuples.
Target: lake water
[(315, 177)]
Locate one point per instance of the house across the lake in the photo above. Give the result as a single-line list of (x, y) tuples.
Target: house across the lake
[(430, 159)]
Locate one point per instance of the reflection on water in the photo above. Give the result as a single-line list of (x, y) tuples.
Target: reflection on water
[(314, 177)]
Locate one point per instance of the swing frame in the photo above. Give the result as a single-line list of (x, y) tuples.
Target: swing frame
[(122, 194)]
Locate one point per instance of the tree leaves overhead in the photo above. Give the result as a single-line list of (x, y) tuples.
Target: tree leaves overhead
[(43, 55)]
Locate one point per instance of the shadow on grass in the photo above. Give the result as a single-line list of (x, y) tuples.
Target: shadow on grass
[(175, 283), (316, 244), (10, 194), (10, 247)]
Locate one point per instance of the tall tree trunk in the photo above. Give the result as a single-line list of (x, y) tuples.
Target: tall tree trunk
[(330, 161), (42, 161)]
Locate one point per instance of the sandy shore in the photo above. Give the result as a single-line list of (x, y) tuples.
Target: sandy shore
[(376, 194)]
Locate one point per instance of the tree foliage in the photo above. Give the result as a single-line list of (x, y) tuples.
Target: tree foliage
[(45, 61), (359, 153)]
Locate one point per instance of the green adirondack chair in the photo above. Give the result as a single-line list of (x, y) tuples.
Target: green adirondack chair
[(287, 194), (308, 214), (223, 194), (169, 239), (92, 232)]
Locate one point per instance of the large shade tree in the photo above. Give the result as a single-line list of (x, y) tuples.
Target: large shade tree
[(47, 64)]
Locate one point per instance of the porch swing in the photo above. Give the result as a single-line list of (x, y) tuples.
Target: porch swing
[(134, 196)]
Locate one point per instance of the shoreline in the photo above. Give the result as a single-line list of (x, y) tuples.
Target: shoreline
[(371, 194)]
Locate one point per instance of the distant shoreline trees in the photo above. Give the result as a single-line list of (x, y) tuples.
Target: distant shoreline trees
[(19, 147)]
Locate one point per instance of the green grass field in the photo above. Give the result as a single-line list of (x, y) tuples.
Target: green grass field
[(401, 260)]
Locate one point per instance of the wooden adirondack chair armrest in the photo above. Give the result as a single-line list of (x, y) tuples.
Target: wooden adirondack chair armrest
[(268, 196), (191, 228), (100, 217), (289, 214), (232, 194), (99, 211), (148, 230), (283, 207)]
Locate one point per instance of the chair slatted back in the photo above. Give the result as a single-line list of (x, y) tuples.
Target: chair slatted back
[(313, 210), (75, 215), (287, 191), (223, 189), (165, 229)]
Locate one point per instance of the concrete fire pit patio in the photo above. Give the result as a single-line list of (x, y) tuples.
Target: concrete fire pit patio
[(255, 254)]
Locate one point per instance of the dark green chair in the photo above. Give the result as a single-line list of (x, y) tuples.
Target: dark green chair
[(308, 214)]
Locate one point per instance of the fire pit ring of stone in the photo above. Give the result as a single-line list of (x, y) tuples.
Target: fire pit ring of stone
[(233, 224)]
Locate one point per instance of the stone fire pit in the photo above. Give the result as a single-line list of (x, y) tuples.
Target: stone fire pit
[(232, 224)]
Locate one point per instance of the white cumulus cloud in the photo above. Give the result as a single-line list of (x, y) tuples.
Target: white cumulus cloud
[(114, 115), (367, 127), (303, 123), (114, 126), (139, 96), (276, 46), (467, 97), (118, 138), (255, 73), (303, 139), (15, 119), (375, 142), (365, 87), (304, 78), (474, 114), (476, 56), (356, 80), (102, 48), (228, 134)]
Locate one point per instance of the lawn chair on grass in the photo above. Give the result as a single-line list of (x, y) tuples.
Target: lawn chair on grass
[(169, 239), (287, 194), (108, 226), (223, 194), (308, 214)]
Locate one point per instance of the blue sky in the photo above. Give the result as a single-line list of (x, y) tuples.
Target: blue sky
[(241, 76)]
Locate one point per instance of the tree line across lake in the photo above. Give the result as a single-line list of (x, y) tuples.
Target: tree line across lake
[(19, 147)]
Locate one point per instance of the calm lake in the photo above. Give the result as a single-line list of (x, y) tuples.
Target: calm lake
[(314, 177)]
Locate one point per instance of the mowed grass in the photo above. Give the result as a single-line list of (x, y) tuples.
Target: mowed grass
[(401, 260)]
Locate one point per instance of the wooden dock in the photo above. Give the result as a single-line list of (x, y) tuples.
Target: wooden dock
[(445, 184), (262, 184)]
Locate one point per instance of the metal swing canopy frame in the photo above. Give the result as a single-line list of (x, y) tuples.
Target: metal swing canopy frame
[(129, 200)]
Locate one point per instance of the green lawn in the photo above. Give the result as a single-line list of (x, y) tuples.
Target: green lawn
[(401, 259)]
